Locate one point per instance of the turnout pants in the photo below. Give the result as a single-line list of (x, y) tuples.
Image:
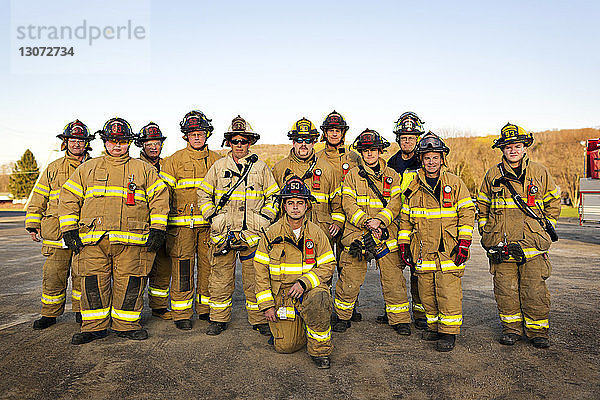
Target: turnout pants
[(113, 278), (222, 285), (184, 246), (392, 282), (55, 275), (441, 294), (417, 305), (306, 323), (159, 280), (522, 296)]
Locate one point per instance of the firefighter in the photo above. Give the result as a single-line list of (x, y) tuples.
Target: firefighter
[(187, 231), (113, 215), (293, 264), (406, 162), (516, 242), (42, 224), (318, 175), (436, 228), (371, 201), (237, 196), (150, 140)]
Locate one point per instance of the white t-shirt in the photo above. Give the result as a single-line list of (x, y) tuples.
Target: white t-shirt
[(297, 232)]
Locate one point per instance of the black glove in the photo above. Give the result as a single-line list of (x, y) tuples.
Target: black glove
[(156, 239), (369, 242), (515, 250), (73, 241), (356, 249), (494, 254)]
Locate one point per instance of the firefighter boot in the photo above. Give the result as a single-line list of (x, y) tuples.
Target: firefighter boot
[(341, 325), (78, 317), (356, 316), (44, 323), (204, 317), (263, 329), (540, 342), (421, 323), (430, 336), (323, 362), (508, 339), (382, 318), (402, 329), (184, 324), (215, 328), (136, 334), (86, 337), (445, 342), (162, 313)]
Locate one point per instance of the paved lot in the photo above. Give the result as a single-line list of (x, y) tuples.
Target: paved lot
[(369, 361)]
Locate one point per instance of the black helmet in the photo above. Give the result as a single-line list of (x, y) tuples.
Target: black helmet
[(149, 132), (295, 187), (76, 130), (239, 126), (303, 128), (408, 124), (432, 142), (117, 128), (370, 139), (511, 133), (196, 121), (334, 120)]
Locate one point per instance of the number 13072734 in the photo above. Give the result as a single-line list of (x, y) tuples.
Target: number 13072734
[(46, 51)]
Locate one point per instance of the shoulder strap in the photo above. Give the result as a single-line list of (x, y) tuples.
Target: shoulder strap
[(363, 174), (251, 160), (309, 171)]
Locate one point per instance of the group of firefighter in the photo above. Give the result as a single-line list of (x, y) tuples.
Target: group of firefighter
[(115, 222)]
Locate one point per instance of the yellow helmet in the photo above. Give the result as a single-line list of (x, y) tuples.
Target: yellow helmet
[(511, 133), (303, 127)]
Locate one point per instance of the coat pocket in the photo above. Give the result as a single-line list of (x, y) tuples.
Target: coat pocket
[(541, 239), (50, 228)]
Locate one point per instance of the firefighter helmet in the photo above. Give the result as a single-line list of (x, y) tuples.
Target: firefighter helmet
[(511, 133), (149, 132), (196, 121), (239, 126), (408, 124), (432, 142), (303, 128), (76, 130), (370, 139), (295, 188), (334, 120), (117, 128)]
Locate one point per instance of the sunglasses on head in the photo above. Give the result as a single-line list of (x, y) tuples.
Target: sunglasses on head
[(303, 140), (239, 141), (119, 141)]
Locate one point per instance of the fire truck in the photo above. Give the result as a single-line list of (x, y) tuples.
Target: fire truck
[(589, 187)]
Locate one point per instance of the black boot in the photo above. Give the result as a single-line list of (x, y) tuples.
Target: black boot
[(78, 318), (382, 319), (43, 323), (430, 336), (204, 317), (184, 324), (263, 329), (508, 339), (402, 329), (162, 313), (86, 337), (323, 362), (540, 342), (446, 342), (421, 324), (356, 316), (341, 325), (136, 334), (215, 328)]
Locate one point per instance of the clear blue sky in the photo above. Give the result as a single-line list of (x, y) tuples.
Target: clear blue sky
[(467, 66)]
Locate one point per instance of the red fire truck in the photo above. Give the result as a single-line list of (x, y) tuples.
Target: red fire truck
[(589, 187)]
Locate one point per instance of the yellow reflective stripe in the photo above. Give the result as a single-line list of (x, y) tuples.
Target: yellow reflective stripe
[(319, 336), (54, 243), (532, 252), (325, 258), (42, 189), (339, 217), (321, 197), (433, 213), (313, 278), (418, 307), (551, 194), (171, 181), (207, 187), (396, 308), (67, 220), (54, 194), (251, 240), (218, 239), (448, 265), (127, 237), (465, 230), (123, 315), (431, 319), (482, 221), (271, 190), (357, 216), (342, 305), (271, 208), (75, 295), (466, 202), (509, 203), (392, 244), (48, 299), (73, 188), (508, 318), (387, 214), (205, 207), (346, 190), (264, 296), (261, 257), (289, 268), (483, 198), (202, 299), (371, 202), (181, 304), (155, 292), (189, 183), (33, 218), (220, 305), (395, 191), (160, 219), (404, 235), (185, 220), (405, 209), (552, 221), (426, 266), (99, 313), (250, 306), (113, 191), (159, 184), (536, 324), (451, 320)]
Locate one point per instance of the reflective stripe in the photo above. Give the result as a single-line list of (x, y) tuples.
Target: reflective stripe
[(387, 214), (48, 299), (250, 239), (185, 220), (382, 253), (250, 306), (433, 213), (54, 194), (67, 220), (159, 219), (113, 191), (483, 198), (418, 307), (158, 292), (42, 189), (264, 296), (338, 217), (357, 216), (551, 194), (73, 188), (508, 318), (431, 319), (131, 316), (181, 304), (319, 336), (271, 190), (189, 183), (396, 308), (426, 266), (154, 187), (289, 269), (33, 218), (509, 203), (171, 181), (220, 305), (405, 209), (89, 315), (466, 202), (54, 243), (451, 320), (392, 244), (262, 257), (448, 265), (536, 324), (326, 258), (342, 305), (202, 299), (404, 235), (482, 222), (313, 278), (75, 295), (465, 230)]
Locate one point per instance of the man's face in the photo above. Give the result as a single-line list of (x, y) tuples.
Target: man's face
[(76, 146), (295, 208), (370, 156), (514, 152), (302, 149), (432, 162), (152, 148), (240, 146), (408, 143), (334, 136), (117, 147), (197, 139)]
